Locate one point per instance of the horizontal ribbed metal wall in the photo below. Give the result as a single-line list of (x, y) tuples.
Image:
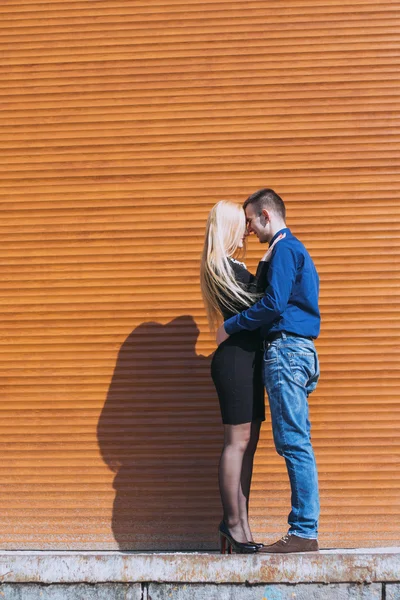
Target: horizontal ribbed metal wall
[(122, 123)]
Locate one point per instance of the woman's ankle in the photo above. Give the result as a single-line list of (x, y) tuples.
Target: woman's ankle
[(236, 530), (231, 522)]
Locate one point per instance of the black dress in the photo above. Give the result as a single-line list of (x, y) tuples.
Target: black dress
[(236, 367)]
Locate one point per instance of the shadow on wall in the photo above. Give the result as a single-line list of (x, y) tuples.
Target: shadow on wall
[(160, 431)]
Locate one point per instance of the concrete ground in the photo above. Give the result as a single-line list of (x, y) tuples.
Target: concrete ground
[(353, 574)]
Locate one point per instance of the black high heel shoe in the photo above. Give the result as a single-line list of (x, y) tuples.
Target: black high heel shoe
[(227, 543), (258, 544)]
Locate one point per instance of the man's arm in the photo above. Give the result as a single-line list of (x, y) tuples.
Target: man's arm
[(281, 276)]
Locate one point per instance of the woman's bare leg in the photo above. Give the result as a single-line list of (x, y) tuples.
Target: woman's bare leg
[(236, 439), (245, 480)]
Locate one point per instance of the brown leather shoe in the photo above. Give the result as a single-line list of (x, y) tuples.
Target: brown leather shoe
[(291, 543)]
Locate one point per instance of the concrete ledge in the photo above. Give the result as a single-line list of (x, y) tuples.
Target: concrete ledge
[(376, 565), (197, 591)]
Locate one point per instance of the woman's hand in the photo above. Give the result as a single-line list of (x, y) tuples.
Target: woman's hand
[(268, 254), (221, 334)]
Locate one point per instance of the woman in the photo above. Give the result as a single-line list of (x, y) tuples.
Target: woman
[(228, 288)]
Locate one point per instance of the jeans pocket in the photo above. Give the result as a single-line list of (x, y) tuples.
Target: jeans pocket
[(269, 361), (270, 356), (302, 366)]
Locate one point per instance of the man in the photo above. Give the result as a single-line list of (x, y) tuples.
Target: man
[(289, 321)]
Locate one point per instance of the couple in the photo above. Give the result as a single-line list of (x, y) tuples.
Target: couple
[(270, 322)]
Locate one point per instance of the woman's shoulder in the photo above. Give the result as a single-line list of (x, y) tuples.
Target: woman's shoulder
[(242, 275), (237, 262)]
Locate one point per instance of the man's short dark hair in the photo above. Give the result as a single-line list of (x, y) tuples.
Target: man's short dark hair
[(268, 199)]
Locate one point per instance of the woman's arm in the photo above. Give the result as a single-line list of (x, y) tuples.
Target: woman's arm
[(259, 282)]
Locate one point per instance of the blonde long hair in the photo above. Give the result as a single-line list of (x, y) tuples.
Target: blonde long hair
[(226, 226)]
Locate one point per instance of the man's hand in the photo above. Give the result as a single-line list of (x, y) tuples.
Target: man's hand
[(221, 335)]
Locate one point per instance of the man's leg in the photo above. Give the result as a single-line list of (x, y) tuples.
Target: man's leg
[(290, 373)]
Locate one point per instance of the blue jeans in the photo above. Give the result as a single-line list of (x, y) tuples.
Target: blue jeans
[(291, 372)]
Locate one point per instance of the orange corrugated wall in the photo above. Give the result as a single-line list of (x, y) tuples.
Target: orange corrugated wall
[(122, 123)]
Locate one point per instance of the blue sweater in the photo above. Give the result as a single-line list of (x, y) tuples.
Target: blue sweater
[(290, 302)]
